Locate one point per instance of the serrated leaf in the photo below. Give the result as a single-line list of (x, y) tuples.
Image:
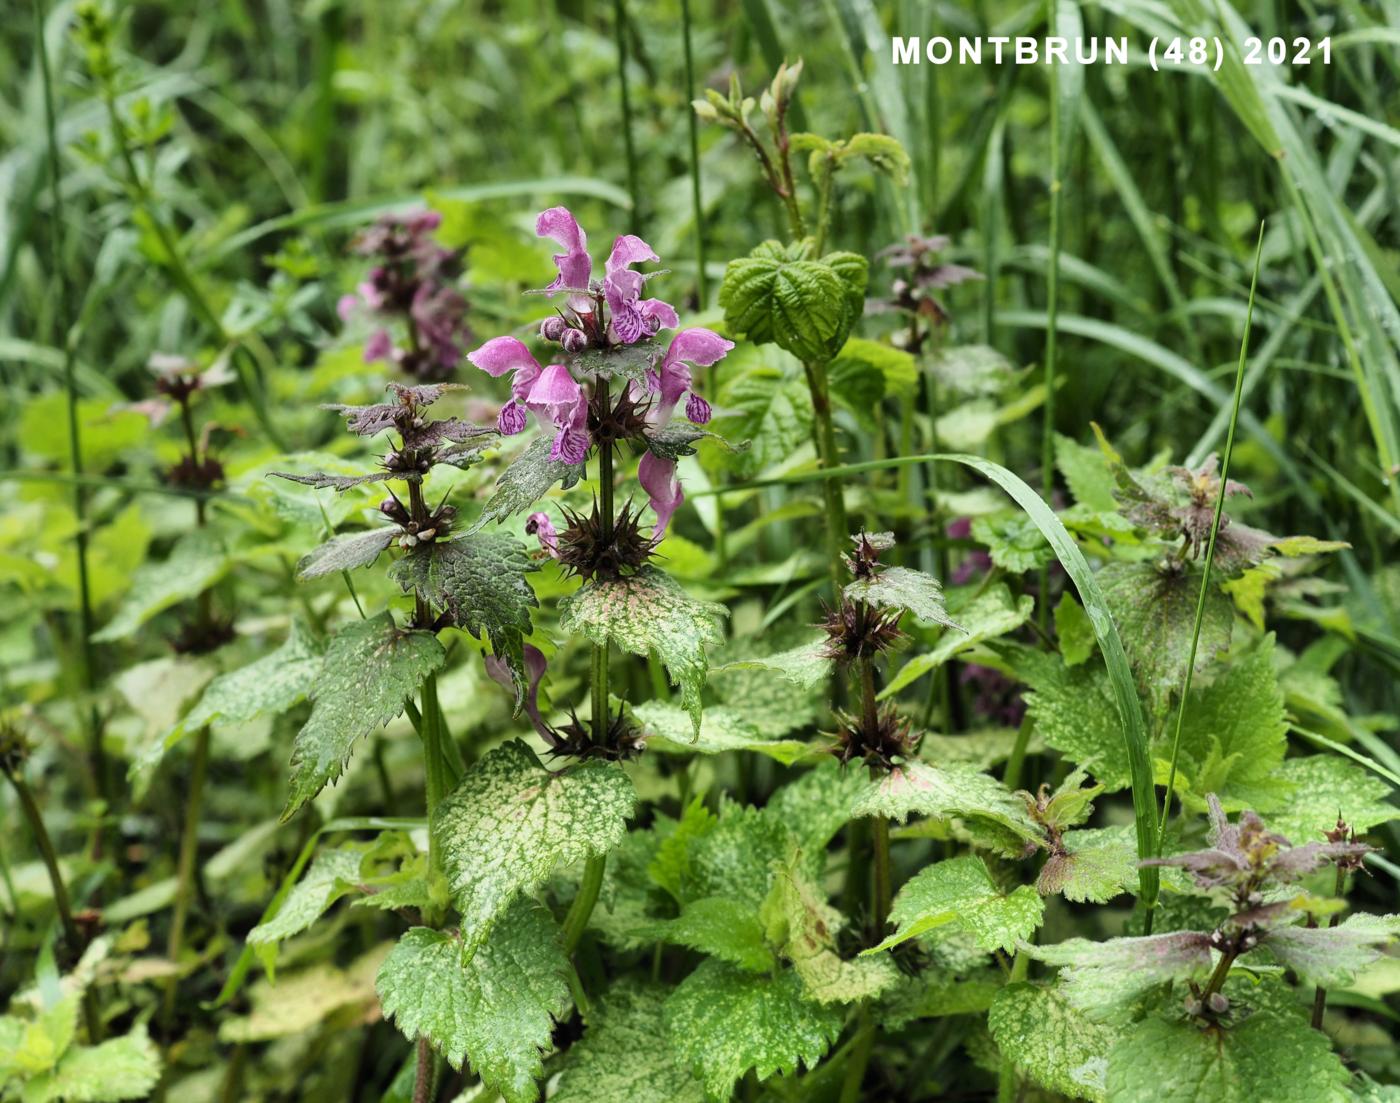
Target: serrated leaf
[(1155, 609), (668, 729), (817, 805), (118, 1069), (480, 582), (804, 665), (804, 927), (616, 361), (510, 824), (679, 438), (328, 879), (345, 553), (1074, 632), (1093, 866), (1013, 541), (195, 563), (771, 408), (495, 1008), (267, 686), (989, 615), (1323, 787), (724, 928), (865, 372), (736, 856), (1332, 956), (646, 613), (904, 588), (1075, 713), (626, 1054), (526, 481), (920, 788), (302, 1000), (1267, 1056), (322, 480), (774, 706), (803, 306), (1050, 1041), (370, 668), (1100, 978), (724, 1022), (1087, 474), (961, 891)]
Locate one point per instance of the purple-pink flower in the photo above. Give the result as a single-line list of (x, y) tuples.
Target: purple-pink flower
[(535, 665), (551, 394)]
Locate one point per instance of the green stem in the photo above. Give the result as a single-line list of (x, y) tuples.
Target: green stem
[(425, 1074), (620, 30), (97, 758), (1218, 977), (825, 438), (576, 922), (1210, 548), (858, 1060), (1007, 1084), (701, 282), (185, 870), (880, 844), (1320, 996)]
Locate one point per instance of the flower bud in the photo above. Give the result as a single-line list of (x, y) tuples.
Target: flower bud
[(1219, 1003), (552, 328), (697, 409), (574, 340), (511, 419)]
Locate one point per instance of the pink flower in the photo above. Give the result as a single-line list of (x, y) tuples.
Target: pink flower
[(535, 666), (658, 478), (541, 527), (509, 354), (672, 378), (557, 398)]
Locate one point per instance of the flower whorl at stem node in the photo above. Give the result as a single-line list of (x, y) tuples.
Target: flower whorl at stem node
[(586, 549), (893, 738), (856, 631)]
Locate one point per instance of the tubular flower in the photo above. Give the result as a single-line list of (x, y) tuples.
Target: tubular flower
[(535, 665), (551, 394), (658, 478), (542, 528), (672, 378)]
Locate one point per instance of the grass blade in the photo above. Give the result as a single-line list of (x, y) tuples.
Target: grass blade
[(1210, 547)]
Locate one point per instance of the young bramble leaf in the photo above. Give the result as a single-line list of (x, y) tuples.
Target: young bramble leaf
[(495, 1008), (345, 553), (526, 481), (724, 1022), (1270, 1055), (511, 823), (331, 875), (1050, 1041), (961, 891), (371, 667), (626, 1054), (480, 582), (196, 562), (649, 612), (804, 306)]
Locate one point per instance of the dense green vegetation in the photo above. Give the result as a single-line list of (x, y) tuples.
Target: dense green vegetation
[(645, 552)]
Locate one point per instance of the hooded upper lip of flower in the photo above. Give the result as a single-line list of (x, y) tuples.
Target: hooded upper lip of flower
[(633, 317), (672, 378), (550, 393)]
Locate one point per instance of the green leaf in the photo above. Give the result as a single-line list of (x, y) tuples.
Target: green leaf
[(480, 582), (948, 791), (495, 1008), (804, 665), (1073, 632), (990, 614), (332, 874), (649, 612), (904, 588), (724, 928), (195, 563), (626, 1054), (774, 706), (737, 855), (972, 370), (668, 729), (961, 891), (1074, 712), (118, 1069), (724, 1022), (1155, 607), (303, 1000), (1324, 786), (816, 806), (345, 553), (370, 668), (526, 481), (1101, 978), (803, 306), (883, 153), (267, 686), (768, 406), (679, 438), (1087, 473), (511, 824), (1013, 541), (866, 372), (1271, 1056), (1093, 866), (1234, 736), (1332, 956), (804, 927), (1051, 1042)]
